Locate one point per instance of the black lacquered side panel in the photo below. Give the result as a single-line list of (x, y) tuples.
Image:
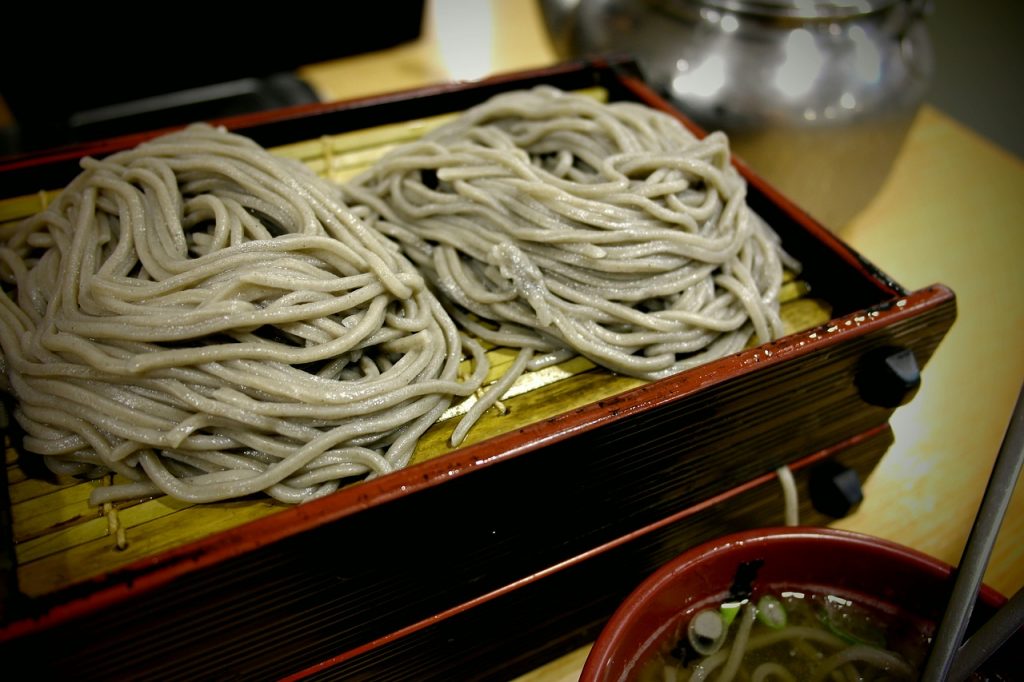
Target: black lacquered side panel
[(518, 631)]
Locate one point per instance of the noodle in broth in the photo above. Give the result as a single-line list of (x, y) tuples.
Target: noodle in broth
[(821, 637)]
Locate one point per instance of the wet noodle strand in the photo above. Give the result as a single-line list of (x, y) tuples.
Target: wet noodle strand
[(209, 321), (550, 221)]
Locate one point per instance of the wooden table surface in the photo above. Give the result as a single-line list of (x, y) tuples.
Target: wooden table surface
[(951, 211)]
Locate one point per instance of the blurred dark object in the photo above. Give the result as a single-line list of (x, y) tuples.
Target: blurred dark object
[(66, 79), (816, 95)]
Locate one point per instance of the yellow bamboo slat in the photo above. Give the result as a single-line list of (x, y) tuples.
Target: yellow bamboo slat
[(56, 542), (61, 539), (24, 206), (145, 538), (24, 488), (44, 514)]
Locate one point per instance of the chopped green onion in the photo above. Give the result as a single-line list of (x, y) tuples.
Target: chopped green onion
[(771, 612), (706, 632), (851, 630), (729, 611)]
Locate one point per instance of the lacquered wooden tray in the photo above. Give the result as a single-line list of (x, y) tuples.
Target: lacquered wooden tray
[(582, 461)]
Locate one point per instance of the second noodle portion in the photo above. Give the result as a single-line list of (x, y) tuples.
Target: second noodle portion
[(209, 321), (555, 223)]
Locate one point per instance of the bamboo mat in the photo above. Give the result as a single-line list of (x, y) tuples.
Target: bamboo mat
[(60, 539)]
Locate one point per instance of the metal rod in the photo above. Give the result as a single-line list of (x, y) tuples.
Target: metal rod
[(989, 637), (972, 566)]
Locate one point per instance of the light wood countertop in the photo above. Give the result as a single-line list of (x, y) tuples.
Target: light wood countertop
[(951, 211)]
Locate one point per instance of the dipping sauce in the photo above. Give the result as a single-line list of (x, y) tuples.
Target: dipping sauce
[(793, 635)]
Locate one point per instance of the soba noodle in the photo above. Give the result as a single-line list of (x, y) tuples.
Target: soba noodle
[(551, 221), (210, 321)]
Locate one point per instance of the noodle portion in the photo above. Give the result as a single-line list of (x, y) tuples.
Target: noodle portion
[(550, 221), (209, 321)]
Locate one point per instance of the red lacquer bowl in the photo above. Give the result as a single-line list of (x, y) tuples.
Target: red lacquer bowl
[(813, 559)]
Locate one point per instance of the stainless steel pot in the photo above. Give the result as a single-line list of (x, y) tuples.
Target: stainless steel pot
[(815, 95)]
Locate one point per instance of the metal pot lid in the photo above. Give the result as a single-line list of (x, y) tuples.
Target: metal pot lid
[(793, 9)]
